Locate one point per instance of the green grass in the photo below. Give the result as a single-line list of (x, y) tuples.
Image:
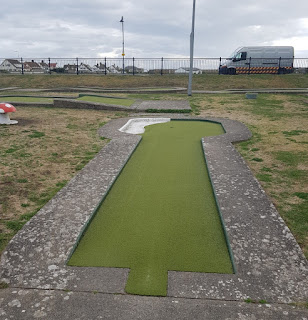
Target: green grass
[(36, 134), (25, 99), (200, 82), (160, 214), (120, 102), (291, 158)]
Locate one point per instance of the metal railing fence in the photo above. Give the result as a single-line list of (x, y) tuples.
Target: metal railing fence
[(132, 66)]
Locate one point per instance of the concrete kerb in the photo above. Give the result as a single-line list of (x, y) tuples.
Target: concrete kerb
[(269, 263)]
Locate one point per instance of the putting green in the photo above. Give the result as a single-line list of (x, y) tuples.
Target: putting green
[(121, 102), (160, 214)]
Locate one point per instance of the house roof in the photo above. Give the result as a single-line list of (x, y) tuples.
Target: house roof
[(69, 66), (14, 62), (43, 64), (32, 65)]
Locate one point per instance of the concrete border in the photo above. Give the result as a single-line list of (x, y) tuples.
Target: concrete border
[(269, 262)]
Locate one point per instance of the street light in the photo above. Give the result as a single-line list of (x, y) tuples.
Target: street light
[(192, 35), (123, 54)]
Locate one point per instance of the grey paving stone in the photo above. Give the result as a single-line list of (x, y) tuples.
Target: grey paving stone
[(47, 304)]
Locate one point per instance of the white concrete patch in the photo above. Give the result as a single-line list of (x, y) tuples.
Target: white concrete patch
[(136, 126)]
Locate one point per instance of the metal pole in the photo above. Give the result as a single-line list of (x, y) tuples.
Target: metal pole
[(22, 66), (162, 66), (192, 35), (49, 65), (133, 66), (123, 54)]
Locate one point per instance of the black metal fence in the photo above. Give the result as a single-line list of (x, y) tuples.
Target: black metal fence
[(136, 66)]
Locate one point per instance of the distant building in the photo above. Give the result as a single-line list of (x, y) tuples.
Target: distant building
[(133, 69), (11, 65), (186, 70), (114, 69), (33, 67), (100, 68), (82, 68)]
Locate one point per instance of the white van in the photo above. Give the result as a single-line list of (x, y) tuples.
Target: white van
[(268, 59)]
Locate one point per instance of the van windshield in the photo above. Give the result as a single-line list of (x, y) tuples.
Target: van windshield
[(234, 53)]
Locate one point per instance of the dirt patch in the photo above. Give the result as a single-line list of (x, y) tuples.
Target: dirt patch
[(24, 122)]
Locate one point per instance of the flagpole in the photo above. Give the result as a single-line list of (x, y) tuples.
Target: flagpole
[(192, 36), (123, 54)]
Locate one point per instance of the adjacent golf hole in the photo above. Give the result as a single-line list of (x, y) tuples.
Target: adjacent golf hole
[(160, 214)]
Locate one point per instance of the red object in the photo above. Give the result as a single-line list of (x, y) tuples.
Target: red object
[(6, 107)]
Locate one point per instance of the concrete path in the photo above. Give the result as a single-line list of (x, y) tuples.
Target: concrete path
[(270, 266)]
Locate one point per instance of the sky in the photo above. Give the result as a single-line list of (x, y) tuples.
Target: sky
[(152, 28)]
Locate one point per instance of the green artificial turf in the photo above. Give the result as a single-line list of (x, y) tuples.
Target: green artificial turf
[(160, 214), (121, 102), (25, 99)]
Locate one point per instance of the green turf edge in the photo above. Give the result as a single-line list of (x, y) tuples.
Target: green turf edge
[(215, 197), (25, 96), (86, 225), (169, 111), (80, 95)]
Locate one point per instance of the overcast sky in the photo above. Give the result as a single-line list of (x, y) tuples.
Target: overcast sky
[(152, 28)]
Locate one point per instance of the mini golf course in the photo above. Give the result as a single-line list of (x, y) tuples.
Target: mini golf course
[(160, 215), (108, 100)]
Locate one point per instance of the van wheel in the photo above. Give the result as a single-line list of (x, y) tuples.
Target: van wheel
[(232, 71), (281, 71)]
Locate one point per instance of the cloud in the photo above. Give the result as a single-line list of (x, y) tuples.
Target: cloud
[(160, 28)]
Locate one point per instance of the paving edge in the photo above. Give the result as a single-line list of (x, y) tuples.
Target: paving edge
[(48, 304)]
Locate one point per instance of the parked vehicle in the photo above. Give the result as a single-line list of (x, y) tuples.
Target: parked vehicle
[(265, 59)]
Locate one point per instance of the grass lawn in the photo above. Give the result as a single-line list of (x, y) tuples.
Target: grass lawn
[(107, 100), (200, 82), (39, 155), (160, 214)]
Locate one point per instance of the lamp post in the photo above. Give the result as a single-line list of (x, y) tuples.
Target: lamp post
[(192, 35), (123, 54)]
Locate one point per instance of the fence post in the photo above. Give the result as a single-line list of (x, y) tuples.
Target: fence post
[(133, 66), (219, 65), (162, 66), (77, 70), (105, 65), (279, 62), (22, 66), (249, 65), (49, 66)]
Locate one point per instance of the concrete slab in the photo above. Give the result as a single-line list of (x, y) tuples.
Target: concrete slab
[(164, 105), (269, 263), (32, 304)]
